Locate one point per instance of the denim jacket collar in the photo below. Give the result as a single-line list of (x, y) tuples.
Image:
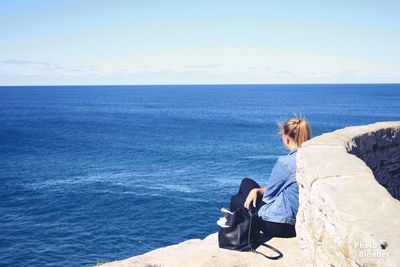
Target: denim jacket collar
[(292, 151)]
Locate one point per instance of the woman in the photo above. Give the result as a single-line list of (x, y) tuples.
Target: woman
[(277, 203)]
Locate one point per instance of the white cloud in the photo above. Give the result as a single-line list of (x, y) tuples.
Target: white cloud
[(16, 71), (33, 67)]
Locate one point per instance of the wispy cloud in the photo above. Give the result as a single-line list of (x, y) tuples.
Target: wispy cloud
[(48, 67), (40, 65), (131, 73), (24, 62), (202, 66), (269, 71), (177, 69)]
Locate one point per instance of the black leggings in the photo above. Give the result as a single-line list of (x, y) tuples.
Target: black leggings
[(271, 229)]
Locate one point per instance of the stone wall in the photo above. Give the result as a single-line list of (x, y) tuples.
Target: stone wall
[(380, 150), (346, 218)]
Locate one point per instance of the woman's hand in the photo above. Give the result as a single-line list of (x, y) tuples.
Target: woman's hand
[(251, 198)]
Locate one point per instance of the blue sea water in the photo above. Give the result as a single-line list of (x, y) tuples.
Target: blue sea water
[(98, 173)]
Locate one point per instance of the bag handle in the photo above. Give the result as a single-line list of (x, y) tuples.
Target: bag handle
[(277, 257)]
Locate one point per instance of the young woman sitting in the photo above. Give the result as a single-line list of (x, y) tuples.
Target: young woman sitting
[(277, 203)]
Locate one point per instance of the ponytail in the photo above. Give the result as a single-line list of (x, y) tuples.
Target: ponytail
[(297, 129)]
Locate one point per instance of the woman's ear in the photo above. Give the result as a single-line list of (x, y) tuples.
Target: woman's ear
[(287, 140), (283, 139)]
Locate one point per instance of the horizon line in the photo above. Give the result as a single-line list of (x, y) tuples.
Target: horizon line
[(197, 84)]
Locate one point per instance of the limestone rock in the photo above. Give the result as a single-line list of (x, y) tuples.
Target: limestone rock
[(206, 253), (345, 215)]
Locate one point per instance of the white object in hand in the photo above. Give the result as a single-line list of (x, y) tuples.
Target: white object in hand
[(222, 222), (224, 210)]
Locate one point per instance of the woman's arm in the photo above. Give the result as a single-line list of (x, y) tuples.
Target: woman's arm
[(276, 179), (252, 197)]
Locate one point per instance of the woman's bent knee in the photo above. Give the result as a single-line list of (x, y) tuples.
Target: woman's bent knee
[(237, 201), (246, 181)]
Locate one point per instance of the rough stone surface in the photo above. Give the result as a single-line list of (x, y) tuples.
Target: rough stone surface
[(344, 213), (380, 151), (206, 253)]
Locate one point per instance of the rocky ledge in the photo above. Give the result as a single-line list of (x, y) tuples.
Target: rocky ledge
[(206, 253), (348, 216)]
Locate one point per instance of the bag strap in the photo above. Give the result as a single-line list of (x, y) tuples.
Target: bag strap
[(277, 257)]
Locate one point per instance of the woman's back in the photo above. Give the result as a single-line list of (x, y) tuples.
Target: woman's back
[(281, 197)]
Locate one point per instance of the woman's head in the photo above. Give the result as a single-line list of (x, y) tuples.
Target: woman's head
[(294, 132)]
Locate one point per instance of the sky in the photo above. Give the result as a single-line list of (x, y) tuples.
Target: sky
[(115, 42)]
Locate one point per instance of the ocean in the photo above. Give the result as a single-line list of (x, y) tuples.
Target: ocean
[(98, 173)]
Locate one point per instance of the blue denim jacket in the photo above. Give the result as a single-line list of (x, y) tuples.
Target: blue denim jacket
[(282, 195)]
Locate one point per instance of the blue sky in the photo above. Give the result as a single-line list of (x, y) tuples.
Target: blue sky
[(198, 42)]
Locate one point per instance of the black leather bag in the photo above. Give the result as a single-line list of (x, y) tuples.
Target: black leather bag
[(243, 233)]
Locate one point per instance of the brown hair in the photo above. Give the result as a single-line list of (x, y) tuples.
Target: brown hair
[(297, 129)]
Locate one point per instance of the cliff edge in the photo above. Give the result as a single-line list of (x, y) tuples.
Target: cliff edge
[(206, 253)]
